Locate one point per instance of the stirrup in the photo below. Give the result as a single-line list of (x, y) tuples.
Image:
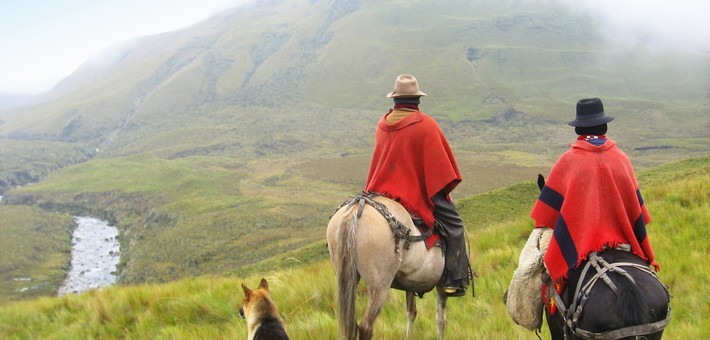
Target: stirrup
[(455, 291)]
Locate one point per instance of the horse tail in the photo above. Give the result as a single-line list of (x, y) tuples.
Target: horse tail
[(631, 303), (347, 275)]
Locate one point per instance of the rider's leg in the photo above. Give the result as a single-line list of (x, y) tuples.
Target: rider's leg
[(457, 268)]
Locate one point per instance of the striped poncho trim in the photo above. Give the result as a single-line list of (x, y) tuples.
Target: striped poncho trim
[(592, 201), (564, 239)]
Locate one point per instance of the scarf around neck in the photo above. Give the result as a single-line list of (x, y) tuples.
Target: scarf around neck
[(407, 103)]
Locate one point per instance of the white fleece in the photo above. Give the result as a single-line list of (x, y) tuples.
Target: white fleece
[(524, 303)]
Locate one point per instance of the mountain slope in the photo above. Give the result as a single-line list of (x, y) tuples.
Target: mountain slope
[(476, 60), (309, 77)]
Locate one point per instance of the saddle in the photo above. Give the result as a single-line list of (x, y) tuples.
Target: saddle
[(430, 235)]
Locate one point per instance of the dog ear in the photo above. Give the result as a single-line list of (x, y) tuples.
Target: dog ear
[(264, 285), (247, 291)]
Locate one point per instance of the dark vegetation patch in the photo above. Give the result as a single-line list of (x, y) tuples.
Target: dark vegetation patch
[(25, 162), (473, 54), (653, 147), (222, 148)]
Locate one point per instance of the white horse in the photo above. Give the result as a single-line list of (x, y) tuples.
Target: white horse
[(384, 248)]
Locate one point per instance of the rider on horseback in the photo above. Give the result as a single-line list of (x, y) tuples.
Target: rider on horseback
[(413, 164), (591, 201)]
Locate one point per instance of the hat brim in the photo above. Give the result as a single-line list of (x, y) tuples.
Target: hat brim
[(591, 122), (404, 95)]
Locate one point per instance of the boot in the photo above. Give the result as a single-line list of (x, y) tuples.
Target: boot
[(456, 269)]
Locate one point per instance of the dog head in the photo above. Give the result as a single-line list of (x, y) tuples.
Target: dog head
[(256, 301), (261, 314)]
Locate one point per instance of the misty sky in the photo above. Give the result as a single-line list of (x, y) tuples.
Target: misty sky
[(661, 24), (43, 41)]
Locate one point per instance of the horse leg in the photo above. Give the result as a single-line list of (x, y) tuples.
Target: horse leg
[(411, 312), (377, 296), (440, 312), (555, 324)]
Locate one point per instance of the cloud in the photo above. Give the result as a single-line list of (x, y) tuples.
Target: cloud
[(43, 42), (679, 24)]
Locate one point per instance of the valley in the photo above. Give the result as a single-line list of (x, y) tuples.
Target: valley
[(226, 145)]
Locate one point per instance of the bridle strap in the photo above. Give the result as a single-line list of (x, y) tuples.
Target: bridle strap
[(602, 267)]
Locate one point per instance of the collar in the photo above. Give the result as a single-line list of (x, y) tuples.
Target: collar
[(411, 118), (588, 137), (593, 139), (585, 145)]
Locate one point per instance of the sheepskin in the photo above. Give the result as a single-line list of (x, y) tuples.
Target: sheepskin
[(524, 302)]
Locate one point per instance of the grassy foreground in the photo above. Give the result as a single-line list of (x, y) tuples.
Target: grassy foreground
[(677, 195)]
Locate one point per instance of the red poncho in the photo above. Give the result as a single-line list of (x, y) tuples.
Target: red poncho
[(412, 162), (592, 200)]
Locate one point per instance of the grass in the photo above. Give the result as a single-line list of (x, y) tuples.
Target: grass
[(36, 251), (677, 195), (206, 307)]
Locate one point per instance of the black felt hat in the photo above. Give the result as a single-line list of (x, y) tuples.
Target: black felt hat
[(590, 112)]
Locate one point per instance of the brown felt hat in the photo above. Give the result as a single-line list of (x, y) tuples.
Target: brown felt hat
[(405, 86)]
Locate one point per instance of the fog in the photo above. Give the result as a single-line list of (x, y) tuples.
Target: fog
[(676, 25), (43, 42)]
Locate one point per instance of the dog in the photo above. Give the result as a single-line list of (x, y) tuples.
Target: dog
[(263, 319)]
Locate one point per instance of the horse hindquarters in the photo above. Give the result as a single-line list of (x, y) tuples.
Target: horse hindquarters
[(643, 303), (640, 302), (357, 249), (639, 308), (362, 246), (377, 263)]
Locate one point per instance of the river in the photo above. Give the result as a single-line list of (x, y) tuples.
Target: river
[(94, 256)]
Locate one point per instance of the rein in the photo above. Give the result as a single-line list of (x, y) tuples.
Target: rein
[(399, 230), (581, 295)]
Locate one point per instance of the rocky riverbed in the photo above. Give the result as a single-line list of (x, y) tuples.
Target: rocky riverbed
[(95, 254)]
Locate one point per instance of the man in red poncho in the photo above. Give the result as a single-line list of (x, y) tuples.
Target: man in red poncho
[(413, 164), (591, 199)]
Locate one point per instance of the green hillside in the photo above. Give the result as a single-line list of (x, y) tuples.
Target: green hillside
[(188, 217), (206, 307), (251, 127)]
